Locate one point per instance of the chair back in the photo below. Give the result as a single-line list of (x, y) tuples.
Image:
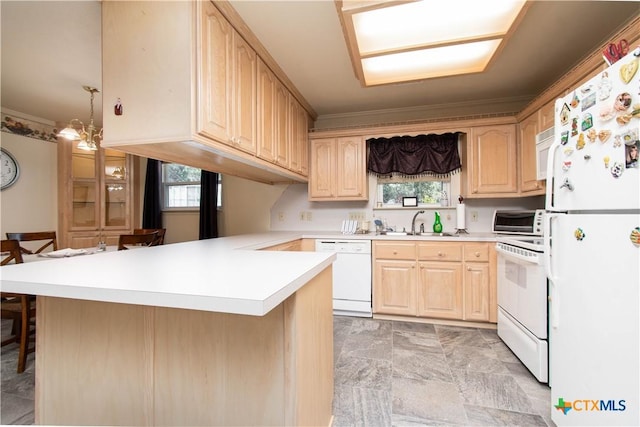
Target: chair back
[(145, 239), (10, 252), (48, 236), (159, 236)]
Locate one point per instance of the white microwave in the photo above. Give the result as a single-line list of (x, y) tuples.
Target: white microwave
[(543, 142)]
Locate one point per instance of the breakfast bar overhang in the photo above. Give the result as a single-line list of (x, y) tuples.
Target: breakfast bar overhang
[(195, 333)]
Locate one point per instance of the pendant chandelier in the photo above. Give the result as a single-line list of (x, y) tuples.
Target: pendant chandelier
[(88, 138)]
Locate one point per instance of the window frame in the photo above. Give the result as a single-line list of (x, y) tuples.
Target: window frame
[(380, 182), (164, 189)]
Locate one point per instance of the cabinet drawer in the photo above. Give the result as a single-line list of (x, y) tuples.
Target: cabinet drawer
[(394, 250), (440, 251), (476, 252)]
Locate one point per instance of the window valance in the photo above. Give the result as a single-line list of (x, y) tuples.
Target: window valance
[(414, 156)]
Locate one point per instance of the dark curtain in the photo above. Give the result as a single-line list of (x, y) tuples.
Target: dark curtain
[(152, 205), (208, 205), (430, 155)]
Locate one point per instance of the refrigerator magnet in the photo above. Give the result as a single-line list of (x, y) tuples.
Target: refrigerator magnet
[(604, 135), (592, 135), (623, 102), (635, 236), (580, 144), (604, 87), (589, 102), (575, 100), (579, 234), (566, 165), (564, 115), (564, 137), (617, 169), (574, 126), (587, 121)]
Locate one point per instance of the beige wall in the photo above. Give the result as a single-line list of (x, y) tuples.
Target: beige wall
[(246, 208), (31, 204)]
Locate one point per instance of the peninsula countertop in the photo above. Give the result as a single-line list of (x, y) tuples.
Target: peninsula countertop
[(227, 274), (220, 275)]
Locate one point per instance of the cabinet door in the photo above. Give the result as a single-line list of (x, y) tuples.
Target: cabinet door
[(476, 291), (323, 160), (493, 160), (527, 155), (394, 287), (440, 290), (303, 141), (282, 134), (546, 116), (351, 168), (244, 95), (116, 208), (215, 96), (266, 113)]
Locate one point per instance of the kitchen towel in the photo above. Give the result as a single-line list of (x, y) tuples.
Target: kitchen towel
[(460, 217)]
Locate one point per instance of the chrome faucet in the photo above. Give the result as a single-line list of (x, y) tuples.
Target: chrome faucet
[(413, 222)]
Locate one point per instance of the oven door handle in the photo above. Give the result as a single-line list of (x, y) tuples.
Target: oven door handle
[(517, 257)]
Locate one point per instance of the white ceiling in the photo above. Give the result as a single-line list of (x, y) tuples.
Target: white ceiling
[(50, 49)]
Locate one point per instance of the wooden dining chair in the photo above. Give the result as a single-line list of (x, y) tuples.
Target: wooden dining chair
[(49, 238), (20, 308), (141, 239), (160, 236)]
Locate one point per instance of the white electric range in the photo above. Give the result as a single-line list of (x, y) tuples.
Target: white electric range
[(522, 288)]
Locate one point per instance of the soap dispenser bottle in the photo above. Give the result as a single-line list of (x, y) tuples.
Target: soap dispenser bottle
[(437, 225)]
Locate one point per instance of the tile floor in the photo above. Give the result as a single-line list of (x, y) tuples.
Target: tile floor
[(387, 373)]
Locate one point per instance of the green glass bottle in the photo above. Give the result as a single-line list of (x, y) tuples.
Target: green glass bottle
[(437, 225)]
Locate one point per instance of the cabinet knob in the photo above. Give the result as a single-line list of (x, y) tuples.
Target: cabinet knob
[(440, 254), (477, 254), (395, 252)]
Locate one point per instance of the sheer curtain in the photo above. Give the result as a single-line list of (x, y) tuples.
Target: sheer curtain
[(428, 155), (208, 205)]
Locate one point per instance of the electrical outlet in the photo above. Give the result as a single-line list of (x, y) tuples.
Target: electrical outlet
[(280, 216), (308, 216), (474, 216), (357, 216)]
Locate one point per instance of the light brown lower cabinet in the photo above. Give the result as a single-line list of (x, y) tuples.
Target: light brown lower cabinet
[(444, 280)]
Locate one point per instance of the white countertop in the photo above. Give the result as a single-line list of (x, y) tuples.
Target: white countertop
[(219, 275), (224, 275)]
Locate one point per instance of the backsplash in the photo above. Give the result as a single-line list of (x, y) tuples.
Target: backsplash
[(293, 211)]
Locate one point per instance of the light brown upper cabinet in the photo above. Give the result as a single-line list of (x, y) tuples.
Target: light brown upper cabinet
[(491, 162), (227, 97), (528, 129), (186, 74), (338, 169)]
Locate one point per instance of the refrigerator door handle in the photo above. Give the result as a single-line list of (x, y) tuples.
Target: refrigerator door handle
[(548, 219), (554, 299), (551, 159)]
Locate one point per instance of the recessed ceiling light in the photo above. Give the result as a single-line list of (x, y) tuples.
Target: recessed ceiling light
[(391, 41)]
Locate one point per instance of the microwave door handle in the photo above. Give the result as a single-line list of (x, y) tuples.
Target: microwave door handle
[(554, 299)]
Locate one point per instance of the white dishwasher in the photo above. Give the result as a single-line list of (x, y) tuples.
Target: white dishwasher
[(351, 275)]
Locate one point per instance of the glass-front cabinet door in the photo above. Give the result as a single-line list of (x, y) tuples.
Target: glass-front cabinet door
[(95, 195), (116, 208)]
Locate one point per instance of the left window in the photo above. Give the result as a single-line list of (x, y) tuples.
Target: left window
[(180, 186)]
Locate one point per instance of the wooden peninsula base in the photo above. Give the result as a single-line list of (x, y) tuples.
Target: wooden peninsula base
[(101, 363)]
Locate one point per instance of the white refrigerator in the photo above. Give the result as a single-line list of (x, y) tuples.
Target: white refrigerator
[(592, 249)]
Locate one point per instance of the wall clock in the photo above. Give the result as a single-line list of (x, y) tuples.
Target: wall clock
[(10, 169)]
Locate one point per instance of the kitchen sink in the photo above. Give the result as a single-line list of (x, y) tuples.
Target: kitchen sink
[(408, 233)]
